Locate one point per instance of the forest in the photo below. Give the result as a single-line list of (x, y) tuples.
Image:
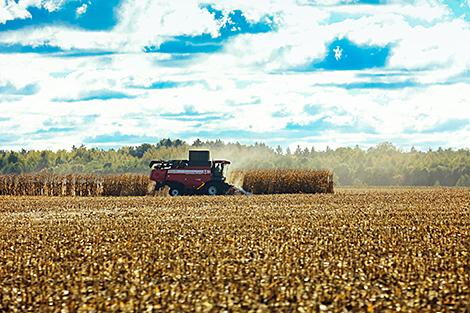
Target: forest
[(381, 165)]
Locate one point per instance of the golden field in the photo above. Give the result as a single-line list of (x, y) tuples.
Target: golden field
[(357, 250)]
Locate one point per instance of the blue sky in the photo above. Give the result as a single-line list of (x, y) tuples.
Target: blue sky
[(302, 72)]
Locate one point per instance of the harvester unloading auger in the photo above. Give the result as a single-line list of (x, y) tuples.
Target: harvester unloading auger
[(198, 175)]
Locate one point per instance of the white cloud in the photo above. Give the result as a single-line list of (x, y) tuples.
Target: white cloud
[(428, 11), (82, 9), (301, 38), (253, 11), (298, 40), (336, 106), (10, 10), (321, 2), (65, 38), (245, 86), (148, 23), (444, 45), (53, 5)]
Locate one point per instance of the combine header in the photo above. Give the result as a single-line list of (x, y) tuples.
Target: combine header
[(198, 175)]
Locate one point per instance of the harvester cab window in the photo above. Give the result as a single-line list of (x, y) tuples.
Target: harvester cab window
[(160, 165), (216, 170), (179, 164)]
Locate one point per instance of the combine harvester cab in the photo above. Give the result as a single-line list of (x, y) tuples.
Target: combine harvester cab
[(198, 175)]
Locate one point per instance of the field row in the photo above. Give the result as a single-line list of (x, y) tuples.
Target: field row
[(43, 184), (285, 180), (358, 250), (254, 181)]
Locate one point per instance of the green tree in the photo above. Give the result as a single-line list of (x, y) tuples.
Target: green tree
[(383, 164), (197, 143), (46, 161), (345, 177), (463, 181)]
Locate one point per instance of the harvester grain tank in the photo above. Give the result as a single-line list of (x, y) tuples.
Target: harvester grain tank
[(198, 175)]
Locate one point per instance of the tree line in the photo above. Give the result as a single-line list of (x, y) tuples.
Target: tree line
[(381, 165)]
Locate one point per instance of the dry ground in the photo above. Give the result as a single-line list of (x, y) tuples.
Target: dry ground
[(374, 249)]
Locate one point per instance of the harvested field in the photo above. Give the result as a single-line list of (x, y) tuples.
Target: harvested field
[(358, 250)]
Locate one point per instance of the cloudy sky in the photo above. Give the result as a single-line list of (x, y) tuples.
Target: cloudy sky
[(109, 73)]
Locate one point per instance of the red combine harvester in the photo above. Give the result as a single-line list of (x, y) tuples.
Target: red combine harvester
[(198, 175)]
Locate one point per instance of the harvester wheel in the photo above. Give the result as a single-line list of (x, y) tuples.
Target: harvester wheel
[(212, 189), (175, 191)]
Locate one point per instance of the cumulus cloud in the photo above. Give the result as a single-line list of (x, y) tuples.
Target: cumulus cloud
[(149, 23), (10, 10), (53, 5), (81, 10)]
